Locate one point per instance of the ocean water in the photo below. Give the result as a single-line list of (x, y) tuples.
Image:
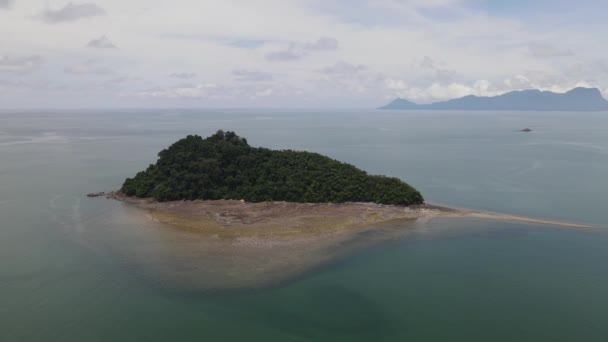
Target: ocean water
[(456, 280)]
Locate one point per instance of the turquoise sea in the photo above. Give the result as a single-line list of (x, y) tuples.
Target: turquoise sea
[(454, 280)]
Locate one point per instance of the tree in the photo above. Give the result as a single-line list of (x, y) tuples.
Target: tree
[(224, 166)]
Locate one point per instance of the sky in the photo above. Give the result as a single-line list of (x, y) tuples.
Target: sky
[(293, 53)]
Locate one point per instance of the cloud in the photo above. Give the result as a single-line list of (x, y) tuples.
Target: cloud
[(427, 62), (588, 74), (594, 69), (252, 75), (339, 53), (183, 75), (185, 91), (101, 43), (517, 82), (343, 68), (398, 85), (6, 4), (408, 4), (323, 44), (247, 43), (212, 91), (89, 67), (296, 50), (353, 78), (21, 64), (436, 70), (440, 91), (122, 79), (292, 53), (30, 85), (547, 51), (71, 12)]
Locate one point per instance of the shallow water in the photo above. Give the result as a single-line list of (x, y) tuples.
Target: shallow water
[(473, 280)]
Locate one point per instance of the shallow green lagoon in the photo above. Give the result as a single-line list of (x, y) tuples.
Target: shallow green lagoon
[(454, 280)]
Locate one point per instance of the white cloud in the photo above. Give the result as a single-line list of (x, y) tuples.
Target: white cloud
[(343, 68), (323, 44), (20, 64), (440, 92), (71, 12), (265, 92), (244, 75), (398, 85), (517, 82), (211, 92), (290, 54), (200, 91), (436, 71), (183, 75), (296, 50), (101, 43), (89, 67), (8, 85), (333, 53), (542, 50), (122, 79), (350, 78), (408, 4)]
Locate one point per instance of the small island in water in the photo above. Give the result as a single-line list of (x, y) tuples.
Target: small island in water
[(238, 217), (224, 166)]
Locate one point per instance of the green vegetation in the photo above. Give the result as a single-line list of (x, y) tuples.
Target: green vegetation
[(224, 166)]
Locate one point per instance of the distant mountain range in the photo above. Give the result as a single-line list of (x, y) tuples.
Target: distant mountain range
[(577, 99)]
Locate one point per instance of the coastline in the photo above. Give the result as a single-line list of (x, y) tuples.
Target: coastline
[(235, 213), (227, 246)]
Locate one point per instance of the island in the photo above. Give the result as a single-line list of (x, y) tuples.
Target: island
[(577, 99), (217, 215), (224, 166)]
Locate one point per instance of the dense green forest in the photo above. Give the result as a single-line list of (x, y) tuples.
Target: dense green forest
[(224, 166)]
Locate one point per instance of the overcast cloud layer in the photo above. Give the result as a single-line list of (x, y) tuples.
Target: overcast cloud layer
[(295, 53)]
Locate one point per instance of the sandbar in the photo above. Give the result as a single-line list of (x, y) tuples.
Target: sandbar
[(229, 245)]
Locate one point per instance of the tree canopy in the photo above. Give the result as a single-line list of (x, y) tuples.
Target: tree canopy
[(224, 166)]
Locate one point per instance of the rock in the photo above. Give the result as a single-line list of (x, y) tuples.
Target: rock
[(96, 194)]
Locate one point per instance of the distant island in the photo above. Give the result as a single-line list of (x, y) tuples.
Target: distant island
[(577, 99), (224, 166)]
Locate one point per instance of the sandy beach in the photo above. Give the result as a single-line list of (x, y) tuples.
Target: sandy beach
[(287, 220)]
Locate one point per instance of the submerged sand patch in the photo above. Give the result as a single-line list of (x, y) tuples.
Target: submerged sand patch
[(220, 246)]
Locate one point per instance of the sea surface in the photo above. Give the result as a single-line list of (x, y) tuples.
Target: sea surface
[(456, 280)]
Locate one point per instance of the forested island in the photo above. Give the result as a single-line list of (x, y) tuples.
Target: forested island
[(225, 166), (301, 211)]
